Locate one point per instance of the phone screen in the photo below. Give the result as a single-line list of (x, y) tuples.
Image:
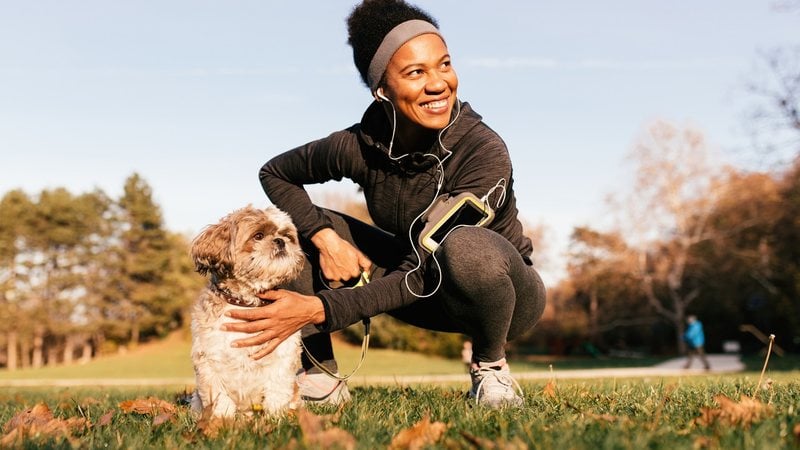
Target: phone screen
[(467, 214)]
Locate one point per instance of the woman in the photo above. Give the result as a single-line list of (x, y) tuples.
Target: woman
[(417, 141)]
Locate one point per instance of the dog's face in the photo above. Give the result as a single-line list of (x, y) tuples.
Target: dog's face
[(249, 249)]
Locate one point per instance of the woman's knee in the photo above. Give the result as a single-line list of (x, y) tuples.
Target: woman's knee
[(475, 254)]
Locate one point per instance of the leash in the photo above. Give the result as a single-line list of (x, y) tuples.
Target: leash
[(363, 280)]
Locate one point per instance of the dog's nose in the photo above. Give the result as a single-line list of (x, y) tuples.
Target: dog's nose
[(280, 243)]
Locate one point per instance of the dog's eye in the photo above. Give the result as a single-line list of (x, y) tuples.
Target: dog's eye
[(258, 236)]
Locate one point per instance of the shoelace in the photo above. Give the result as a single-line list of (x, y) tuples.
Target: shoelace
[(503, 378)]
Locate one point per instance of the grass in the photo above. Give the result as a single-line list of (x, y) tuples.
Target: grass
[(170, 359), (654, 413), (614, 414)]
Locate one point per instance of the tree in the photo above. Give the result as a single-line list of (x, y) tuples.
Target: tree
[(668, 210), (14, 207), (774, 117), (786, 253), (600, 268), (145, 259)]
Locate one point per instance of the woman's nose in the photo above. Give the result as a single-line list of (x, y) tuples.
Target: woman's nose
[(436, 84)]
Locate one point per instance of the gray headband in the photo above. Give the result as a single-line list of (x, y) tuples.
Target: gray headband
[(391, 43)]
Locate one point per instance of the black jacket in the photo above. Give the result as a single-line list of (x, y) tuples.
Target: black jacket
[(396, 192)]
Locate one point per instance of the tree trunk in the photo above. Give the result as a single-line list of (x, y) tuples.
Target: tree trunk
[(24, 353), (593, 307), (12, 341), (37, 359), (134, 335), (69, 349), (86, 351), (97, 341)]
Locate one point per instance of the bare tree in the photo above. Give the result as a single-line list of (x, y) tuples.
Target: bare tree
[(666, 215), (774, 117)]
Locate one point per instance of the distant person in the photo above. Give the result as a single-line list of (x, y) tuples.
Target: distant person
[(416, 144), (695, 340)]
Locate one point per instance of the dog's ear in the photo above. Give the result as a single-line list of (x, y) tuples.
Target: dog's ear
[(212, 249)]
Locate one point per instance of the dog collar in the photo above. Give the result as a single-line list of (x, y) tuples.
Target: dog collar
[(238, 301)]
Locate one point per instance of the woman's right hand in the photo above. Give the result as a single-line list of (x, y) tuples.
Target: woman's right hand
[(338, 259)]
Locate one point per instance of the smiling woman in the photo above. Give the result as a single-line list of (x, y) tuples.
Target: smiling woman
[(416, 146), (421, 83)]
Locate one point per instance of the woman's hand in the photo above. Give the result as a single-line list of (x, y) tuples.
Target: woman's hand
[(273, 323), (338, 259)]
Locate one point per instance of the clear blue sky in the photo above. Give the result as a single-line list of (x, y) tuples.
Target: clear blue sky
[(196, 95)]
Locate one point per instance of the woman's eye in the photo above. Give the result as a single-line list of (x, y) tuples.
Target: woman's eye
[(258, 236)]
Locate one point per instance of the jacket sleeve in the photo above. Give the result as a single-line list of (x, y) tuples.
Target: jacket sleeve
[(284, 176), (344, 307)]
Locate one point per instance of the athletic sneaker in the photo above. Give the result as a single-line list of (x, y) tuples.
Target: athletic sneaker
[(321, 388), (493, 385)]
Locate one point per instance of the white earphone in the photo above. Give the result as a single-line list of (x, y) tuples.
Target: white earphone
[(380, 95)]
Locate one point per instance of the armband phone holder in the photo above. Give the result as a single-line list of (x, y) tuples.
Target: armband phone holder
[(448, 213)]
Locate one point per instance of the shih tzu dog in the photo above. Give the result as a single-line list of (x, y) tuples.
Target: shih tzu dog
[(249, 251)]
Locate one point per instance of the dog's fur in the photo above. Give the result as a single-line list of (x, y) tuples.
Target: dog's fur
[(249, 251)]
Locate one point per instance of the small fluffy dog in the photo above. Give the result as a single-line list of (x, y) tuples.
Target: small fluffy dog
[(249, 251)]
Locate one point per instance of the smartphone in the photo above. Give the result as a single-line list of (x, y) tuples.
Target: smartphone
[(448, 213)]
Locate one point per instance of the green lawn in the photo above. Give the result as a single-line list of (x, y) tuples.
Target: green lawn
[(684, 413), (170, 359)]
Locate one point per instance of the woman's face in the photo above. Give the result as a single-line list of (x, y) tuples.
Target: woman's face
[(421, 83)]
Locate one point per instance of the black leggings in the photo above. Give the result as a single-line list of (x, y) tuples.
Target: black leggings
[(488, 291)]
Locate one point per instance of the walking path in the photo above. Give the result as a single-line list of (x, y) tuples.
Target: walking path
[(673, 368)]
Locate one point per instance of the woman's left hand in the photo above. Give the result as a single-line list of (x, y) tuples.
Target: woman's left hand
[(273, 323)]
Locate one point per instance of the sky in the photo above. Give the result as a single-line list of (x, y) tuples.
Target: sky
[(196, 95)]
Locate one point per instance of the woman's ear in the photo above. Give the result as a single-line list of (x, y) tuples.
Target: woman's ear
[(380, 96)]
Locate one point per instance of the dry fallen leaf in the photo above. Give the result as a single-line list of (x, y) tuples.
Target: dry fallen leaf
[(39, 422), (38, 414), (162, 418), (316, 435), (420, 435), (150, 405), (796, 432), (550, 389), (744, 413), (105, 419)]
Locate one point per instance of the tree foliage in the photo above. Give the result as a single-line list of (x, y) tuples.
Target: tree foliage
[(73, 267)]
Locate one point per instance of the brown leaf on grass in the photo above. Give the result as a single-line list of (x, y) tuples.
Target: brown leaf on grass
[(39, 422), (162, 418), (150, 405), (38, 414), (420, 435), (550, 389), (744, 413), (499, 444), (316, 435), (209, 424), (211, 427), (796, 431), (105, 419)]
